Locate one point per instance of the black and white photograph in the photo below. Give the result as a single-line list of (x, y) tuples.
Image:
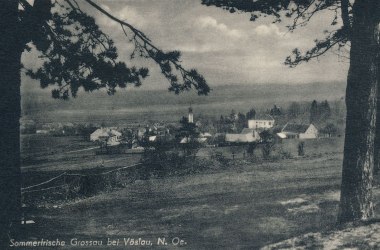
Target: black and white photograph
[(189, 124)]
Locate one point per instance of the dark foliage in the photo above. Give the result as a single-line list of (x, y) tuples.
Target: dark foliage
[(275, 111), (251, 114), (77, 54), (319, 112), (268, 143)]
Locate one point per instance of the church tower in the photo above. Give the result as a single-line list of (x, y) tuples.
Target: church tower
[(191, 115)]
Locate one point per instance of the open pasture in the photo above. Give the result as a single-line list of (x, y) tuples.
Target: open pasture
[(244, 206)]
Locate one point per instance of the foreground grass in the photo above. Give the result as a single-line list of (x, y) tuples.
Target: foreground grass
[(244, 206), (247, 206)]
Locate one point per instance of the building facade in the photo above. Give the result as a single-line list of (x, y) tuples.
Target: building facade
[(261, 121)]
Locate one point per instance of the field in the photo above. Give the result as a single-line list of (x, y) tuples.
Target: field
[(45, 156), (244, 206)]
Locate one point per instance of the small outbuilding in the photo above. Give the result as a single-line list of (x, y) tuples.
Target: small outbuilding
[(299, 131), (246, 135)]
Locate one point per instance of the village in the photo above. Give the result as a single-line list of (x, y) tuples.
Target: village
[(297, 123), (253, 151)]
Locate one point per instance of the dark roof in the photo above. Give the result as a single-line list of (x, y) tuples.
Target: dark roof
[(295, 128), (263, 117)]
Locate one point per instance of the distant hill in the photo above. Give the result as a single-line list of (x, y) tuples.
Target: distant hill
[(139, 105)]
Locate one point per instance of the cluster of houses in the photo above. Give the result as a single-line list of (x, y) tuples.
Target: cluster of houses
[(267, 122), (113, 136), (136, 136)]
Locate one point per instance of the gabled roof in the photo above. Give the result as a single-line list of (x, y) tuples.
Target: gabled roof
[(295, 128), (264, 117)]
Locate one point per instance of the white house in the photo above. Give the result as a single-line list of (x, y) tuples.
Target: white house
[(300, 131), (246, 135), (261, 121)]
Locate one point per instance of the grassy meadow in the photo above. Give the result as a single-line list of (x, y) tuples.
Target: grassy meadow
[(245, 205)]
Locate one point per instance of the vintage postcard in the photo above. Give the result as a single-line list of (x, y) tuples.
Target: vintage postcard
[(202, 124)]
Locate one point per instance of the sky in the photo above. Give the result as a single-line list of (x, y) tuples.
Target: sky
[(226, 48)]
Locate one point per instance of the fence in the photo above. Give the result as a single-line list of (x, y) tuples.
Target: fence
[(69, 185)]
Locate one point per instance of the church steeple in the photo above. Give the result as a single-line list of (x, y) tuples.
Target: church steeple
[(191, 115)]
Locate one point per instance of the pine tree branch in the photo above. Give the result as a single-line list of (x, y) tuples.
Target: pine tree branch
[(145, 45)]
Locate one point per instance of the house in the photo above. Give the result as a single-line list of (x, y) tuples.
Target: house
[(261, 121), (112, 136), (300, 131), (246, 135)]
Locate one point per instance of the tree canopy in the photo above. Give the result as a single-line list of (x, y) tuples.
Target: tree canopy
[(77, 54), (300, 12)]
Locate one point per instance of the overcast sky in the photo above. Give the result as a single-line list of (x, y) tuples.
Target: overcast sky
[(226, 48)]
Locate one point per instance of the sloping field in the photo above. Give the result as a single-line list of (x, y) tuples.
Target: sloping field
[(248, 207), (244, 206)]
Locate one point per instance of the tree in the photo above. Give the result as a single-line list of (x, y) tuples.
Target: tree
[(358, 31), (233, 115), (268, 142), (319, 112), (294, 110), (330, 130), (314, 112), (325, 110), (241, 122), (188, 131), (76, 54), (251, 114), (275, 111)]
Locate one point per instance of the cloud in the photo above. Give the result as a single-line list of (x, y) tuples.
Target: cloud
[(210, 22), (196, 48), (268, 30), (127, 14)]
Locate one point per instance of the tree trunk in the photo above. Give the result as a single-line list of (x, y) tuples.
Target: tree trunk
[(361, 100), (376, 167), (10, 61)]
